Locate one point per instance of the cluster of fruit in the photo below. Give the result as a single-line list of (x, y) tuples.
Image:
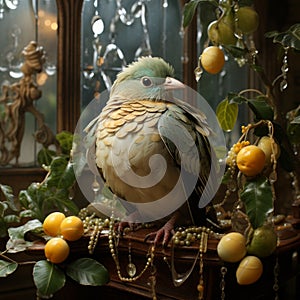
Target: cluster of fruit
[(233, 248), (61, 229), (229, 29), (250, 159)]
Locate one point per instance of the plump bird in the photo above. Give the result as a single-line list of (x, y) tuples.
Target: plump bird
[(152, 148)]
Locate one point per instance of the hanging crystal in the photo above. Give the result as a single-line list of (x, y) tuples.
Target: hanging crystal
[(95, 186), (284, 70), (131, 269)]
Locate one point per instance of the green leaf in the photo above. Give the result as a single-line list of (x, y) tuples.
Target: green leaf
[(258, 199), (67, 177), (7, 267), (45, 156), (190, 8), (27, 213), (8, 193), (289, 38), (3, 208), (261, 109), (19, 232), (88, 271), (227, 114), (48, 278), (11, 219), (57, 168), (236, 98), (65, 140), (235, 52)]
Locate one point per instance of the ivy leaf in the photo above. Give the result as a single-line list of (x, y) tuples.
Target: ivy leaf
[(258, 199), (9, 196), (87, 271), (7, 267), (45, 156), (67, 177), (65, 140), (57, 168), (48, 278), (3, 208), (261, 109), (289, 38), (227, 114), (16, 242), (10, 219)]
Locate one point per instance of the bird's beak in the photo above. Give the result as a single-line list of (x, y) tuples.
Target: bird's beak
[(173, 84)]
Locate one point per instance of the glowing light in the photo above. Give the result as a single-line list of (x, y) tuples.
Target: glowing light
[(54, 26), (47, 22)]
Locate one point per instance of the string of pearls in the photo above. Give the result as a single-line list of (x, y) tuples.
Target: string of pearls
[(92, 225), (112, 242), (188, 236)]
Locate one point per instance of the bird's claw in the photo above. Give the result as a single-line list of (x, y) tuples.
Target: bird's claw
[(161, 236), (123, 227)]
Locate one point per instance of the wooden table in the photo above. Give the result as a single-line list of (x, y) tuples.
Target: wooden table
[(20, 284)]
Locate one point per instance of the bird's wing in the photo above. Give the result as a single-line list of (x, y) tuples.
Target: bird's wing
[(186, 140)]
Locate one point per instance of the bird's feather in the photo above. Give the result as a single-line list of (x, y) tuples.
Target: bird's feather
[(142, 123)]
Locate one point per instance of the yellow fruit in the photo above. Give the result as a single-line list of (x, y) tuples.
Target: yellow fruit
[(247, 19), (251, 160), (71, 228), (221, 33), (212, 59), (266, 143), (57, 250), (232, 247), (249, 270), (263, 242), (51, 224)]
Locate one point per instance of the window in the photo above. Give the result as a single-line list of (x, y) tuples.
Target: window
[(26, 21)]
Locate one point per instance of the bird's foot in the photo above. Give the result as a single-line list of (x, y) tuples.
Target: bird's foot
[(163, 235), (123, 226), (131, 223)]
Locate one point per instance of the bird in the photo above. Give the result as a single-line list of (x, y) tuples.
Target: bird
[(152, 149)]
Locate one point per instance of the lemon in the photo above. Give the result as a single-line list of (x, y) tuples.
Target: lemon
[(212, 59), (269, 146), (51, 224), (251, 160), (72, 228), (57, 250), (247, 19), (232, 247), (221, 33), (263, 242), (249, 270)]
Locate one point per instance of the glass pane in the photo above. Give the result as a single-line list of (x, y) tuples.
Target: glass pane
[(22, 22), (130, 29)]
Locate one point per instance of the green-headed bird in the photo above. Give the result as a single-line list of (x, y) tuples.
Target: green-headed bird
[(152, 149)]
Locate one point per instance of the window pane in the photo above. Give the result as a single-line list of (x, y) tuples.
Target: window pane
[(126, 31), (20, 25)]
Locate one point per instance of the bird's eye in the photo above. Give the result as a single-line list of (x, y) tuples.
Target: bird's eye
[(146, 81)]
